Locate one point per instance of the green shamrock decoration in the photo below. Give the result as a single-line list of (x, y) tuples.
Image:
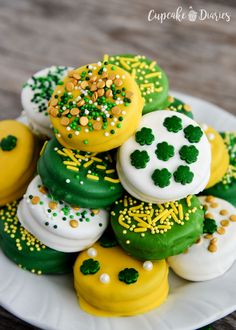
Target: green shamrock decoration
[(193, 133), (144, 136), (8, 143), (183, 175), (209, 226), (161, 178), (90, 266), (164, 151), (128, 275), (189, 154), (173, 124), (139, 159)]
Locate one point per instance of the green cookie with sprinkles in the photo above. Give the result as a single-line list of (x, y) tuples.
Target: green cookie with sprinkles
[(151, 79), (226, 188), (27, 251), (79, 178)]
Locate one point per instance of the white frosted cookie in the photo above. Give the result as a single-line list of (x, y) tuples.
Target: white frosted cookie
[(167, 158), (35, 96), (57, 224), (215, 252)]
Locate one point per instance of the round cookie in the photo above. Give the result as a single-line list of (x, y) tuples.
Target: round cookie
[(177, 105), (78, 177), (27, 251), (35, 96), (166, 159), (156, 231), (219, 155), (108, 282), (151, 79), (19, 151), (96, 108), (226, 188), (58, 225), (214, 253)]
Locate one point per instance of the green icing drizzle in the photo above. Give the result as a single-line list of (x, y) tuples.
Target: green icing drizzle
[(164, 151), (173, 124), (90, 266), (189, 154), (128, 275), (193, 134), (8, 143), (161, 177), (209, 226), (139, 159), (183, 175), (144, 136)]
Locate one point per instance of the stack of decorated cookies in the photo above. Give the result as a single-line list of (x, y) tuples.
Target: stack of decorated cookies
[(116, 182)]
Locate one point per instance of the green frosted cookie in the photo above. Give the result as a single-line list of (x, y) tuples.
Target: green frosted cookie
[(151, 79), (79, 178), (27, 251), (226, 188), (179, 106), (156, 231)]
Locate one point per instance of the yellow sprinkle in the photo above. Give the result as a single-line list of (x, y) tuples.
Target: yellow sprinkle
[(142, 65), (174, 208), (43, 148), (121, 222), (135, 207), (187, 107), (181, 215), (174, 217), (151, 66), (152, 75), (70, 154), (159, 89), (80, 157), (107, 178), (160, 215), (61, 153), (70, 163), (166, 215), (135, 65), (93, 177), (72, 168), (90, 162), (161, 207), (140, 230), (129, 59), (124, 64), (146, 85), (188, 200), (143, 223), (125, 202), (101, 167), (110, 171), (133, 73), (163, 227), (99, 160), (105, 58)]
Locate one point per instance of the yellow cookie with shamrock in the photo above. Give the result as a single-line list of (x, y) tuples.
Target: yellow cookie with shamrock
[(19, 151)]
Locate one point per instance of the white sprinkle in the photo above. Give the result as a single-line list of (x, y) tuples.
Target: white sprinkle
[(204, 127), (106, 134), (104, 70), (211, 136), (67, 180), (148, 265), (81, 182), (56, 149), (117, 76), (92, 252), (90, 66), (123, 112), (86, 111), (89, 172), (68, 128), (86, 130), (76, 132), (112, 123), (123, 76), (104, 278), (99, 64), (58, 135)]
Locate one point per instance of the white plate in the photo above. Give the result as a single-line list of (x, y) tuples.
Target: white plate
[(49, 302)]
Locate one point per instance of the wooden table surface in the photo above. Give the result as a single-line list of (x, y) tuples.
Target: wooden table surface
[(199, 57)]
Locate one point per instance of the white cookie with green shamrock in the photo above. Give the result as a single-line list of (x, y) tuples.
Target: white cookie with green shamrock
[(167, 158)]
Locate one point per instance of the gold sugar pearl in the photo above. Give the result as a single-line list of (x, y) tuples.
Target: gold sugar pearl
[(224, 223), (208, 236), (43, 190), (209, 216), (232, 218), (212, 248), (74, 223), (35, 200), (187, 107), (221, 230), (210, 199), (214, 205), (52, 205), (95, 211), (223, 212)]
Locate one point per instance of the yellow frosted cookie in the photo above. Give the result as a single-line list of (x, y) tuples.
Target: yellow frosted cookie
[(96, 108), (19, 151), (108, 282), (219, 156)]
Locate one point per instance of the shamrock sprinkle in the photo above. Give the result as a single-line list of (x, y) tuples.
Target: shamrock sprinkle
[(139, 159), (209, 226), (90, 266), (128, 275), (173, 124), (161, 177), (144, 136), (8, 143), (189, 154), (164, 151), (193, 134), (183, 175)]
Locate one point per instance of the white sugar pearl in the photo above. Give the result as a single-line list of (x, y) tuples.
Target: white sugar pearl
[(92, 252), (104, 278), (148, 265), (67, 180), (204, 127), (210, 136)]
